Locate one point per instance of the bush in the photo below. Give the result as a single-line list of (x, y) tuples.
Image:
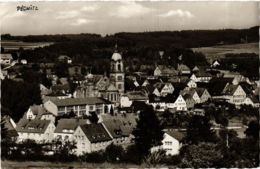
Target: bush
[(95, 157), (114, 153)]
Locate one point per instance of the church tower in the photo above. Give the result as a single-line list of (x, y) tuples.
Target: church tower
[(117, 74)]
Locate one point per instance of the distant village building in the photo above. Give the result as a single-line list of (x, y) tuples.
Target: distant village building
[(6, 58), (90, 138), (171, 142), (38, 130), (162, 70), (66, 127), (65, 59), (78, 106)]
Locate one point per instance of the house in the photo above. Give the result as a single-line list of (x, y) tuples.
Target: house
[(38, 130), (190, 102), (215, 64), (183, 69), (203, 94), (251, 100), (191, 84), (6, 58), (162, 70), (158, 103), (176, 102), (61, 88), (201, 77), (120, 132), (44, 90), (127, 99), (24, 61), (90, 138), (39, 112), (65, 59), (74, 70), (163, 89), (193, 93), (171, 142), (66, 128), (80, 106), (56, 95), (235, 94)]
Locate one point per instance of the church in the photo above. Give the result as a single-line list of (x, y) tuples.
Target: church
[(110, 88)]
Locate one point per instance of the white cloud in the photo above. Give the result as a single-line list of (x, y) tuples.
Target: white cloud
[(178, 12), (89, 8), (81, 21), (67, 14), (130, 9)]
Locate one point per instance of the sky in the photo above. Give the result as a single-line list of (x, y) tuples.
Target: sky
[(128, 16)]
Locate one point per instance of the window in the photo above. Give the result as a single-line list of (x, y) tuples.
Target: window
[(119, 77), (119, 86), (168, 143), (119, 67), (91, 107)]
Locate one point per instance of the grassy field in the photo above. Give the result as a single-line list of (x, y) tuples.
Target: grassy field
[(50, 165), (14, 45), (216, 52)]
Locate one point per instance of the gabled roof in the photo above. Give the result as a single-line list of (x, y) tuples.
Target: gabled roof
[(61, 87), (230, 89), (37, 109), (95, 132), (6, 56), (200, 91), (167, 70), (175, 134), (183, 67), (127, 122), (32, 126), (69, 125), (202, 74), (80, 101), (137, 96)]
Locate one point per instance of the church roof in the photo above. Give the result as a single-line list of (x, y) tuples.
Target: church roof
[(116, 56)]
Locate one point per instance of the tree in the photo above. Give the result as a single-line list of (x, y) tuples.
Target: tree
[(253, 130), (112, 110), (199, 130), (148, 131), (93, 117), (114, 153), (203, 155)]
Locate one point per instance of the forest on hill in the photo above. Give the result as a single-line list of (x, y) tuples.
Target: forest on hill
[(137, 48)]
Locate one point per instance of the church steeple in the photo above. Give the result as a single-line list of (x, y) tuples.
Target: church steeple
[(117, 74)]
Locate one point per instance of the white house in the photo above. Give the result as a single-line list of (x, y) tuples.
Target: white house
[(38, 130), (90, 138), (167, 89), (24, 61), (234, 93), (251, 100), (171, 142), (127, 99), (203, 94), (193, 93), (6, 58), (66, 128), (39, 112), (215, 63), (192, 84), (179, 104), (201, 77)]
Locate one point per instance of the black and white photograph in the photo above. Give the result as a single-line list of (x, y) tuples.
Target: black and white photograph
[(129, 84)]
